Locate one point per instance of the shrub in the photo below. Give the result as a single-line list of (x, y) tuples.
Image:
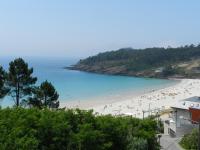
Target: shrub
[(74, 130)]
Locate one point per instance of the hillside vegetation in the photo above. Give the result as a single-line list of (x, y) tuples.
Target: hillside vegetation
[(149, 62)]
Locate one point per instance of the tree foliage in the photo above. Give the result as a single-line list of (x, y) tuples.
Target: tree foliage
[(20, 80), (73, 130), (168, 70), (190, 141), (20, 84), (3, 89), (130, 61), (45, 95)]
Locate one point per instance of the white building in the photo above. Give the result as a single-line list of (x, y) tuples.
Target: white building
[(181, 118)]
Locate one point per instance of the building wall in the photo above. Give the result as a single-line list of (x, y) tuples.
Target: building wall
[(181, 117), (180, 122)]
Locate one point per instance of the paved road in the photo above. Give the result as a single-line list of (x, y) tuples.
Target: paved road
[(169, 143)]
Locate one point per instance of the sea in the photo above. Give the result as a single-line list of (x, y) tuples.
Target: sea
[(75, 85)]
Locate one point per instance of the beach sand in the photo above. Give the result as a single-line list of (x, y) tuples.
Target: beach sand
[(135, 105)]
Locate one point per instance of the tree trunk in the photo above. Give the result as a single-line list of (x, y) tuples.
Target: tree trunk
[(17, 95), (45, 100)]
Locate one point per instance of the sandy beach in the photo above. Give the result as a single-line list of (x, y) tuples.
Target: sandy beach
[(135, 105)]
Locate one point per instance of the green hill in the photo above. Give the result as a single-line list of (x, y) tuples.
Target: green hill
[(149, 62)]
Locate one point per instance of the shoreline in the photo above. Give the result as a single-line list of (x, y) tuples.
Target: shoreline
[(108, 99), (124, 74), (134, 104)]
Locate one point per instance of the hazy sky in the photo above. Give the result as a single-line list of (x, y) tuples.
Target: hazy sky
[(84, 27)]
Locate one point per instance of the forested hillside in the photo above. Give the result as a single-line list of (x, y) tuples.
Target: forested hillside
[(150, 62)]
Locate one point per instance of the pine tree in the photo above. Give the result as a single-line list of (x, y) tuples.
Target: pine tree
[(50, 95), (20, 80), (45, 95), (3, 89)]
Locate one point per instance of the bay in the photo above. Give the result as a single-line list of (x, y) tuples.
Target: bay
[(77, 85)]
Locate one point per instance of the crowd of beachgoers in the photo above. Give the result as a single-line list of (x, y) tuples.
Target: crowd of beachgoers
[(142, 105)]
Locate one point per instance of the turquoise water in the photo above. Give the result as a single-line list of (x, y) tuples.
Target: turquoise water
[(76, 85)]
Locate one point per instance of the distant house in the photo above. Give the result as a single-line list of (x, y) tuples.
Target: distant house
[(184, 116), (159, 70)]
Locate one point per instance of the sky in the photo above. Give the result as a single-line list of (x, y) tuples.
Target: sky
[(79, 28)]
